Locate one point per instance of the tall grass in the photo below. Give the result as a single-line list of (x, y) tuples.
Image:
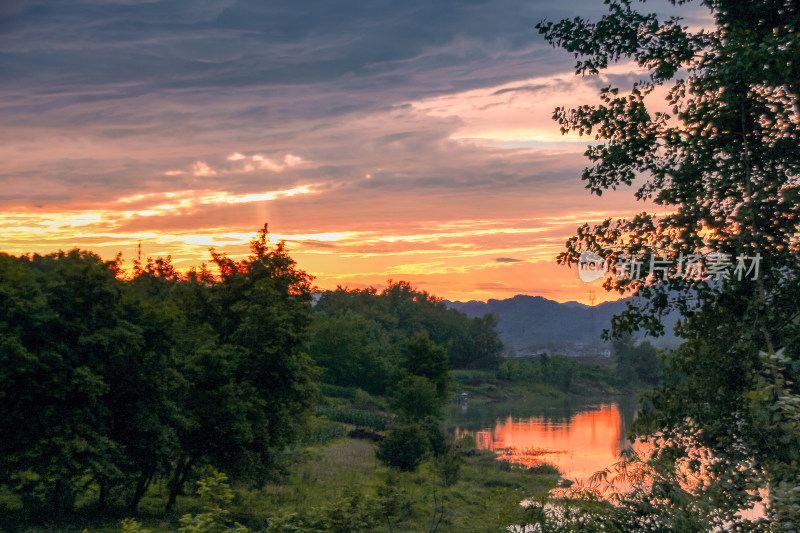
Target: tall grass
[(321, 431), (356, 417)]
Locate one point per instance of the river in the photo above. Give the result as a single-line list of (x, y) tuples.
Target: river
[(578, 436)]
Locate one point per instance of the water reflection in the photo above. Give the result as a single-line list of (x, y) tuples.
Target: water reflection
[(579, 439)]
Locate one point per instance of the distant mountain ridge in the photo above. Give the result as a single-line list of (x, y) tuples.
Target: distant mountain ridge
[(531, 324)]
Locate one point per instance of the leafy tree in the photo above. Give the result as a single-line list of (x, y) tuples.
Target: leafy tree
[(425, 358), (636, 363), (480, 347), (108, 383), (57, 383), (720, 158), (404, 447), (352, 349), (415, 398), (250, 383)]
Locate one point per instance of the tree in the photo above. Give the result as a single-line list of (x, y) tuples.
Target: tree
[(404, 447), (84, 377), (249, 382), (108, 383), (425, 358), (415, 398), (351, 349), (720, 160), (402, 311), (636, 363)]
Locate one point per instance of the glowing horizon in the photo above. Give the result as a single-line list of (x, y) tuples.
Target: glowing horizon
[(406, 151)]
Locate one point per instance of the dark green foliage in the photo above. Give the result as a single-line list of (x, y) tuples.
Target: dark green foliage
[(349, 347), (438, 439), (253, 384), (108, 383), (415, 398), (721, 159), (423, 357), (636, 363), (386, 319), (87, 379), (404, 447), (559, 371), (337, 391), (544, 468), (356, 417)]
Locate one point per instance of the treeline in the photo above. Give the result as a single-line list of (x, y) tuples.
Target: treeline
[(634, 366), (358, 336), (400, 344), (107, 382), (110, 381)]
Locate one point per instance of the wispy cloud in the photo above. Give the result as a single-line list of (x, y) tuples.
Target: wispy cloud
[(380, 140)]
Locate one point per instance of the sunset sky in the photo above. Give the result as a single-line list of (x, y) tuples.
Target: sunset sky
[(406, 140)]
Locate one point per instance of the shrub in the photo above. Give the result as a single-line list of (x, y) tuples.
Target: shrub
[(404, 447)]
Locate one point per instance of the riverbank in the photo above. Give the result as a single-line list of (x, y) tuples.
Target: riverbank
[(342, 486), (334, 479), (575, 379)]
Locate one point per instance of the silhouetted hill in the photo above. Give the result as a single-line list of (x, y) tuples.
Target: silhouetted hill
[(529, 324)]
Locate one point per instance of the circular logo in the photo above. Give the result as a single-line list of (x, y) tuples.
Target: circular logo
[(591, 267)]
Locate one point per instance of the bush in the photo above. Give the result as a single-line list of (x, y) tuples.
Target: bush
[(544, 469), (437, 437), (449, 466), (467, 443), (404, 447), (215, 495), (415, 398), (365, 401)]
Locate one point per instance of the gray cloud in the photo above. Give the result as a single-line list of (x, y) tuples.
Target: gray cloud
[(125, 49), (101, 97)]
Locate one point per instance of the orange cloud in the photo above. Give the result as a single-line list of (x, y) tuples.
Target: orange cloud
[(202, 169)]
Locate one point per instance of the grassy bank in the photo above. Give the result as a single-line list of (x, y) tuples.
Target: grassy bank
[(333, 482), (341, 486), (546, 377)]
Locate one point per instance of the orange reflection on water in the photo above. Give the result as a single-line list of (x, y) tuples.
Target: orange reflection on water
[(579, 447)]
